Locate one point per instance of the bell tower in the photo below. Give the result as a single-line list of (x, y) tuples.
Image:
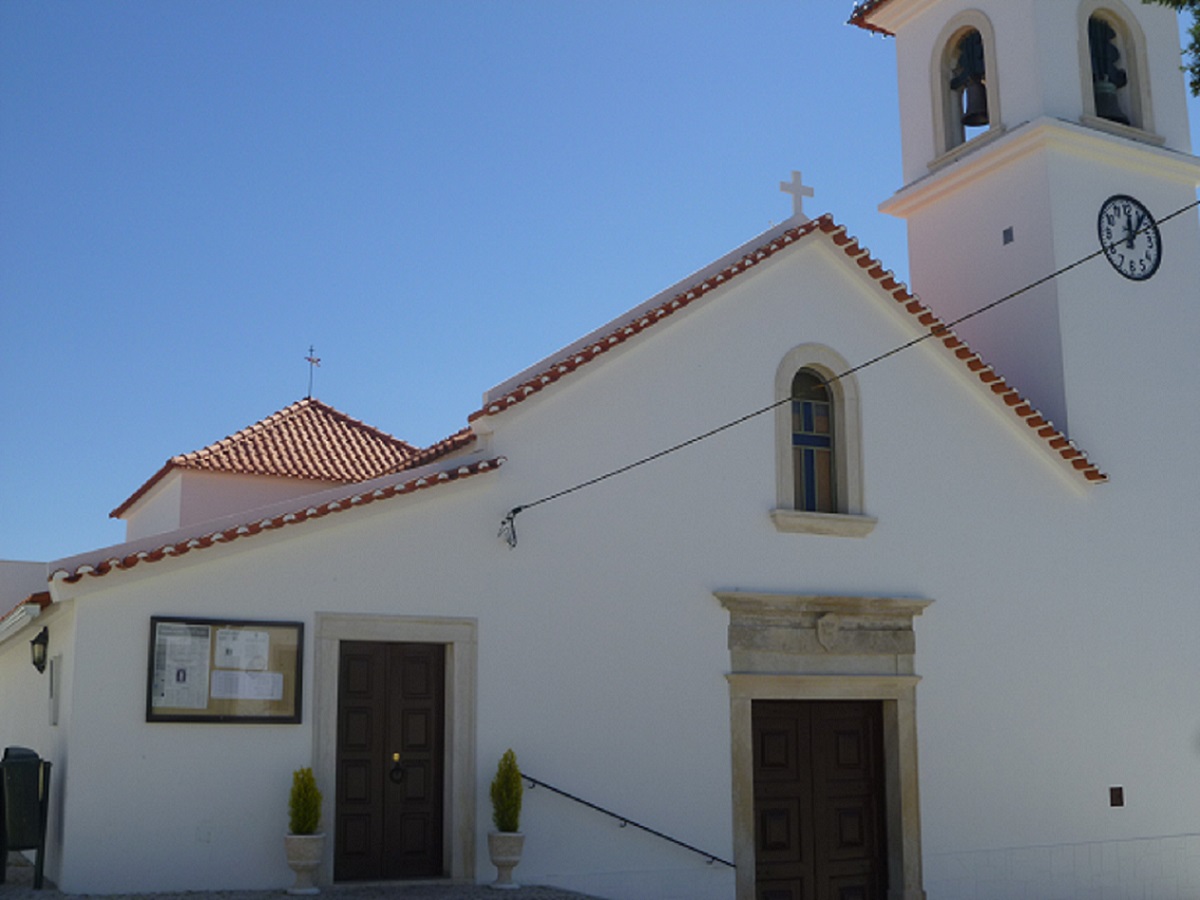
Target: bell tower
[(1033, 133)]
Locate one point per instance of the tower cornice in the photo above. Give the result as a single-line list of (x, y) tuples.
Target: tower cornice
[(1031, 137)]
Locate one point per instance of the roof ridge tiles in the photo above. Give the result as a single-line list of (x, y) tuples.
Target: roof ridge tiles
[(307, 439), (871, 268)]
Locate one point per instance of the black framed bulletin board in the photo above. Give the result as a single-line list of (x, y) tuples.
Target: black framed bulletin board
[(224, 670)]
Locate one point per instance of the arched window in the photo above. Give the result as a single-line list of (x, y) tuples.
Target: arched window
[(1115, 85), (965, 85), (813, 471), (819, 483)]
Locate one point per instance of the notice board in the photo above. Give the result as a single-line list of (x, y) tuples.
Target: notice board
[(224, 670)]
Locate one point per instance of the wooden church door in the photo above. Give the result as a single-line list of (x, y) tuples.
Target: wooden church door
[(390, 745), (819, 800)]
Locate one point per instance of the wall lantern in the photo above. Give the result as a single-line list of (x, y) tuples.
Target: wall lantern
[(37, 649)]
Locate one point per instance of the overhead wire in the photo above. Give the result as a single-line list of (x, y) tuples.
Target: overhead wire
[(508, 525)]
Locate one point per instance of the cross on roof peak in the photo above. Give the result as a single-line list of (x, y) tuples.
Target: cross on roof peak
[(799, 191)]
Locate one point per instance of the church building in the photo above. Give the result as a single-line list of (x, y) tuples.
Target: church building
[(822, 585)]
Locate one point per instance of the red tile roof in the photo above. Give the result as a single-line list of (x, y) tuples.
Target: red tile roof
[(864, 9), (307, 440), (275, 522), (270, 440), (433, 452), (998, 389)]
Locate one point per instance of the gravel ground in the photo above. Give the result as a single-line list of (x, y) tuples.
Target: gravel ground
[(19, 886)]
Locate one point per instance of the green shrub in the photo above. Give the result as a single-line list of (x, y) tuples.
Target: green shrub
[(506, 794), (304, 804)]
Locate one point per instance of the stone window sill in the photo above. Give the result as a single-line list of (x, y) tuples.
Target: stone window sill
[(960, 150), (836, 524), (1126, 131)]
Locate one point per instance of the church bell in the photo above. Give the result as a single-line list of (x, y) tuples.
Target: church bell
[(976, 113), (1107, 105)]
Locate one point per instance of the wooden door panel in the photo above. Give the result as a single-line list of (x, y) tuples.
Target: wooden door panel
[(417, 783), (779, 832), (356, 778), (416, 675), (356, 836), (848, 790), (356, 731), (389, 816), (413, 837), (782, 803), (818, 799), (358, 798), (360, 679), (416, 729)]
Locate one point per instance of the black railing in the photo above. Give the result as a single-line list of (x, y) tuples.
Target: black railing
[(625, 820)]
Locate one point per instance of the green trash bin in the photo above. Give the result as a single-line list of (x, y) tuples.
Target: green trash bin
[(24, 802)]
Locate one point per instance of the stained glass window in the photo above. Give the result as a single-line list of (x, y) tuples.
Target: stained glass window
[(812, 444)]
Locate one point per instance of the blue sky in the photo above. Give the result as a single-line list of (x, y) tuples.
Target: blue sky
[(434, 194)]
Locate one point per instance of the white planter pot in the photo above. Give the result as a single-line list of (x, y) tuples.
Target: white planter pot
[(505, 849), (304, 852)]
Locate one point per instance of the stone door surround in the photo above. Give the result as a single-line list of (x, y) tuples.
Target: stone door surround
[(821, 647)]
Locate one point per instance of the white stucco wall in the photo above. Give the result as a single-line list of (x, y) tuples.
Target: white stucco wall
[(1058, 658), (186, 497), (602, 652)]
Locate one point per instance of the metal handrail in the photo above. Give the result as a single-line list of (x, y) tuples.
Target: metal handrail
[(625, 820)]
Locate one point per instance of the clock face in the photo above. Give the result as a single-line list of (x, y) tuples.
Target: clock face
[(1129, 237)]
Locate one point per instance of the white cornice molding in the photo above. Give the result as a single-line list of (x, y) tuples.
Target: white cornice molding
[(1039, 135), (17, 620), (763, 603), (898, 13)]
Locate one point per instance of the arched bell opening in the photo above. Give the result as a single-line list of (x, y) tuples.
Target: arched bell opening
[(968, 96), (1115, 79)]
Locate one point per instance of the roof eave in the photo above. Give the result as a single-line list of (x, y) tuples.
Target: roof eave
[(15, 620), (1044, 433), (861, 17), (132, 501), (271, 518)]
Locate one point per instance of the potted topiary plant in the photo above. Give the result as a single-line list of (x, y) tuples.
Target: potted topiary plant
[(507, 841), (304, 844)]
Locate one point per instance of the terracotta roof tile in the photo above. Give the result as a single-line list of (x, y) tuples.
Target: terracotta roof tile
[(864, 9), (277, 521), (434, 452), (1008, 397), (308, 439)]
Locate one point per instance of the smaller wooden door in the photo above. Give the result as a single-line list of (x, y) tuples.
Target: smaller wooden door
[(819, 800), (389, 805)]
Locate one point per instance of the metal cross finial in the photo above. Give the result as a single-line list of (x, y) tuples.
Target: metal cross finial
[(313, 362), (799, 191)]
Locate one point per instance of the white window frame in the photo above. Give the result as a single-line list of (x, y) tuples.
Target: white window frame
[(849, 520)]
